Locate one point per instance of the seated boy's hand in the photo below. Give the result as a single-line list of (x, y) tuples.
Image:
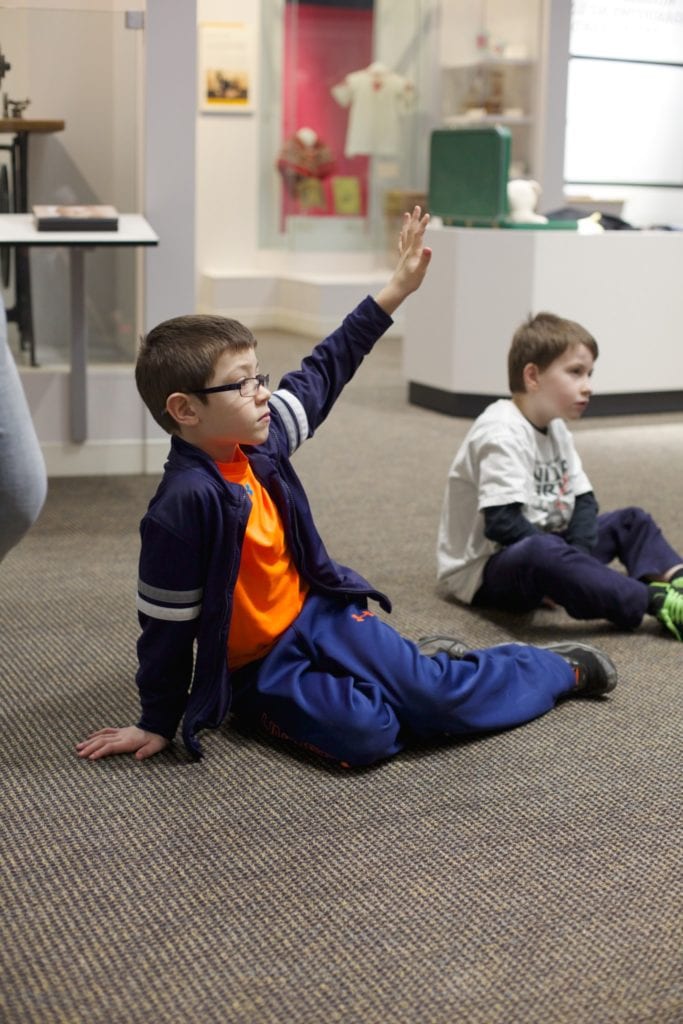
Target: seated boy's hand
[(129, 740)]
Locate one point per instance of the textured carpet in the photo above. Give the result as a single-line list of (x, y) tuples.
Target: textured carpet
[(531, 876)]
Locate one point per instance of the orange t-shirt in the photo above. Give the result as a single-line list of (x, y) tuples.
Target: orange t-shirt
[(269, 593)]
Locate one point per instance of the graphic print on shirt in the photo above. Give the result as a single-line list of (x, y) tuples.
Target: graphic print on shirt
[(551, 483)]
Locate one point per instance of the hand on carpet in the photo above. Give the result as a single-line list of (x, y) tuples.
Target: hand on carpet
[(130, 740)]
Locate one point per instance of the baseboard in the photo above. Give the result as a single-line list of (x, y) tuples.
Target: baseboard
[(105, 458), (468, 406)]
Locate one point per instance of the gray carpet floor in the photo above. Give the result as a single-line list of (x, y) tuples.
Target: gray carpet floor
[(533, 876)]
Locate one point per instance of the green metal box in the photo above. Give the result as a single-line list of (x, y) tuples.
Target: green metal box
[(468, 175)]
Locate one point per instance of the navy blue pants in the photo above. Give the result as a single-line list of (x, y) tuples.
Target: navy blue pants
[(518, 577), (343, 683)]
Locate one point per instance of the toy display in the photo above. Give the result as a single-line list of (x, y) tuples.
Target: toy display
[(523, 195)]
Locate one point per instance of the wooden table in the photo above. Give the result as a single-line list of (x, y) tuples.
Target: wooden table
[(16, 199), (18, 229)]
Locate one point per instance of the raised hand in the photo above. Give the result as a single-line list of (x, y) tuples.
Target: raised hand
[(412, 264)]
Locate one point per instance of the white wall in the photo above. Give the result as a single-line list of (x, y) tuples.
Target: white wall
[(227, 165), (170, 179)]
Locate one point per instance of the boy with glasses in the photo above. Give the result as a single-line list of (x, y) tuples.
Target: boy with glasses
[(241, 607)]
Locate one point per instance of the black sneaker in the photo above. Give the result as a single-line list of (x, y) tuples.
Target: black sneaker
[(450, 645), (594, 671)]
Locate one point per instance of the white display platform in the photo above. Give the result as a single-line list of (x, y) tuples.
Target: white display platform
[(622, 286)]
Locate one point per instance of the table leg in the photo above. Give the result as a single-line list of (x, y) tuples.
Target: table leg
[(21, 312), (15, 196), (78, 384)]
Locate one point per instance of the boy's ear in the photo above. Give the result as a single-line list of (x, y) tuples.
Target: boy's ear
[(180, 407), (531, 376)]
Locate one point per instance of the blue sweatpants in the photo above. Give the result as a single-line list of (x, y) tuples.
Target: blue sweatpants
[(343, 683), (518, 577)]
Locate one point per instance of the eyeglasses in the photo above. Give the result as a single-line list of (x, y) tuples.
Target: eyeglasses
[(247, 387)]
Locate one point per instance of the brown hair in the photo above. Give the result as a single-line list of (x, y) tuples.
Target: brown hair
[(180, 355), (540, 340)]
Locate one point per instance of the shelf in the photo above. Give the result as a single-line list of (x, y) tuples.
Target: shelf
[(491, 62), (491, 56), (458, 120)]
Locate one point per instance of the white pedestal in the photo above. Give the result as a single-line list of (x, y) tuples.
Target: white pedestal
[(622, 286)]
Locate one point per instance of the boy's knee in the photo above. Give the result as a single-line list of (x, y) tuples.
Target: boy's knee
[(634, 516), (363, 728), (366, 743)]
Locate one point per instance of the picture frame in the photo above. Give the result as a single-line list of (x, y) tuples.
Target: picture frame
[(226, 67)]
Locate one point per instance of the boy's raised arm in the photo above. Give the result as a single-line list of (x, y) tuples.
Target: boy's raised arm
[(412, 265)]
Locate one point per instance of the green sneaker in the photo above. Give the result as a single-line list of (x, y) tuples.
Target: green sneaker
[(668, 605)]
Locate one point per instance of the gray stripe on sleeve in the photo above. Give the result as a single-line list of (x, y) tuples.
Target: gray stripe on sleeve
[(158, 611), (293, 416), (170, 596)]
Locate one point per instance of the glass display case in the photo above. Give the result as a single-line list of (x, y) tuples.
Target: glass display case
[(70, 133), (347, 124)]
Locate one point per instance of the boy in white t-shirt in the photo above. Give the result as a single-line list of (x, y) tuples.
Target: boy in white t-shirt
[(520, 524)]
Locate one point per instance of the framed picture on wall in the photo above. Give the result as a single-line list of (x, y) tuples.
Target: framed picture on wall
[(227, 69)]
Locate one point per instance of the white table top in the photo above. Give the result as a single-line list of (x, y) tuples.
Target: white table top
[(20, 229)]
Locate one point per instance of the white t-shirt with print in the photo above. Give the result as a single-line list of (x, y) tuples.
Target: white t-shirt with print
[(504, 459)]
